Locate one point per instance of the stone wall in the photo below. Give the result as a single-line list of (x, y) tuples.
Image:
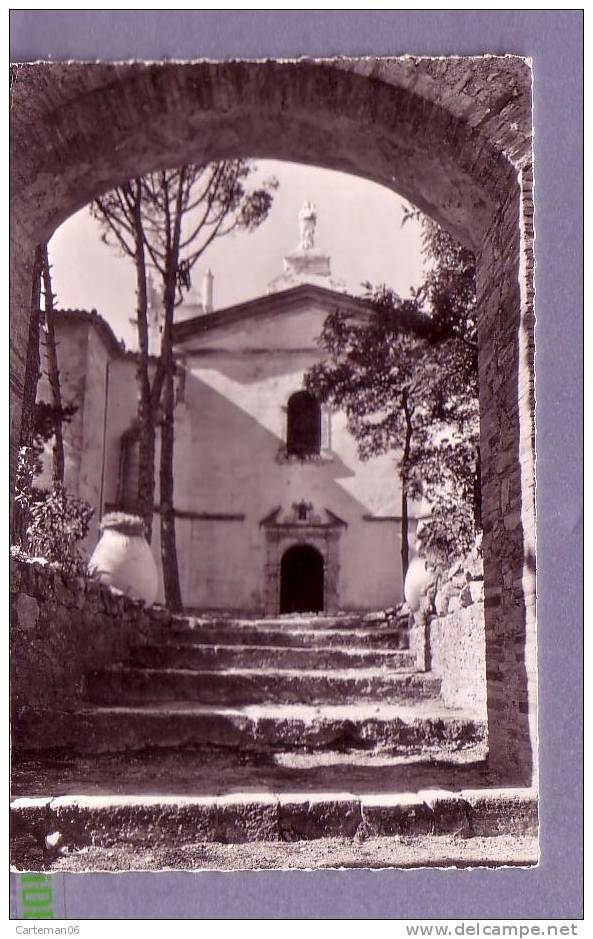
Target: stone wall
[(63, 626), (458, 657), (507, 446), (448, 632)]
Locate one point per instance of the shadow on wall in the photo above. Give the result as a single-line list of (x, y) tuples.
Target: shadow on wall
[(229, 463)]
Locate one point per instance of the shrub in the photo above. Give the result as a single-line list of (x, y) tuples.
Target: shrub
[(58, 522), (48, 523), (449, 533)]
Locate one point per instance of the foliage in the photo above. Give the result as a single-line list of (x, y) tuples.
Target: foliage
[(54, 520), (449, 533), (449, 287), (30, 463), (58, 522), (407, 382), (208, 201)]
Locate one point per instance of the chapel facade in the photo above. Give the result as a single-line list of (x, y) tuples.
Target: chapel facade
[(275, 511)]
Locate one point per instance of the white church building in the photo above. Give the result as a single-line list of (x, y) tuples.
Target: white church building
[(275, 511)]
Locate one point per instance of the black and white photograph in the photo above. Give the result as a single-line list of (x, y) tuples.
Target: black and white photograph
[(273, 554)]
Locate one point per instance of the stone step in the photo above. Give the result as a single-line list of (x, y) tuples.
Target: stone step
[(396, 729), (208, 658), (188, 772), (122, 685), (291, 620), (289, 636), (235, 818)]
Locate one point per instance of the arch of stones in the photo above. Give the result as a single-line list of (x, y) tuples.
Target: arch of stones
[(451, 136)]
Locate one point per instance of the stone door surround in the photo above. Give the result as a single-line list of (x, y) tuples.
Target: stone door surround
[(301, 527)]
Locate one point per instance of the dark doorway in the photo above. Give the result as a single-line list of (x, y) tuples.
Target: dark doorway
[(301, 580)]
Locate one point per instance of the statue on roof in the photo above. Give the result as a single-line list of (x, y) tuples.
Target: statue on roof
[(307, 222)]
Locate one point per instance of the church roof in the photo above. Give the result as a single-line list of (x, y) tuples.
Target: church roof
[(274, 304), (277, 304), (113, 345)]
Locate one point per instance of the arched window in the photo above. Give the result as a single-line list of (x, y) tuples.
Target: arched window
[(303, 430)]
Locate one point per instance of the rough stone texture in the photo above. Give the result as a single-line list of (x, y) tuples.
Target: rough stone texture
[(304, 818), (61, 627), (211, 658), (447, 633), (506, 349), (250, 817), (395, 851), (404, 813), (450, 812), (452, 589), (288, 635), (391, 729), (458, 657), (502, 811), (451, 135), (240, 687), (403, 852)]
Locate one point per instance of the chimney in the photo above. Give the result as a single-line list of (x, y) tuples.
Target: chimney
[(207, 291)]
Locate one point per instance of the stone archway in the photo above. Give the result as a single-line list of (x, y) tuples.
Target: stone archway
[(453, 139)]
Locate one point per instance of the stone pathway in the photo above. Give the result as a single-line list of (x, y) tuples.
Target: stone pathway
[(234, 731), (398, 851)]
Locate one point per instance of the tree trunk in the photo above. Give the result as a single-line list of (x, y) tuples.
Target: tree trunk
[(478, 492), (20, 519), (405, 534), (33, 364), (168, 540), (404, 484), (53, 374), (146, 457), (147, 408), (167, 370)]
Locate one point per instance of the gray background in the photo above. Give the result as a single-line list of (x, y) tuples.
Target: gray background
[(554, 40)]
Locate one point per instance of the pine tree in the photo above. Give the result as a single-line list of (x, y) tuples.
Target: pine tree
[(165, 221)]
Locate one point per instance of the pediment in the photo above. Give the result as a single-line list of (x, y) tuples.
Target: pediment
[(301, 515), (291, 318)]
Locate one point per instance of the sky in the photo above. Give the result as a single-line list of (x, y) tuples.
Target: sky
[(359, 224)]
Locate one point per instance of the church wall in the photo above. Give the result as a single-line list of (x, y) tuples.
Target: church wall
[(296, 330), (230, 463), (82, 363), (234, 445), (93, 432), (71, 343), (121, 413), (370, 565), (224, 565)]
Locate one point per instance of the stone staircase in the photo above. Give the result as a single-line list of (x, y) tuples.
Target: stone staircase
[(242, 711), (295, 682)]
